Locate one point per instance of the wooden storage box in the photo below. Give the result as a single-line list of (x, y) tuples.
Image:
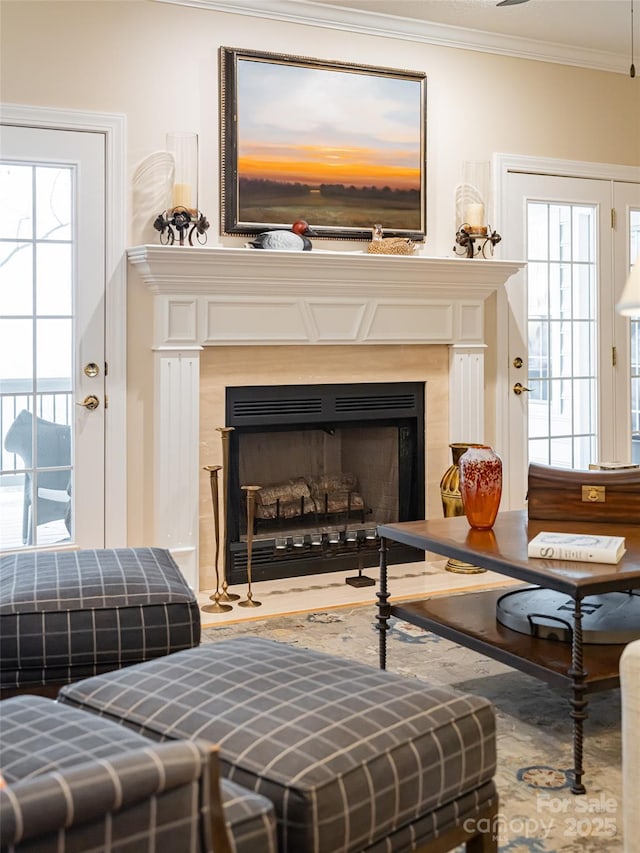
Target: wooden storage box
[(561, 494)]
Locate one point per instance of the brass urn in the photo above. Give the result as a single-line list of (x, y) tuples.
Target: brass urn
[(452, 503)]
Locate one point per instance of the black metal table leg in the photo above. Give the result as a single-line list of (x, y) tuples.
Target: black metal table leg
[(384, 608), (579, 701)]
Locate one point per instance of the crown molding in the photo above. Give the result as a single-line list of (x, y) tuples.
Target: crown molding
[(313, 14)]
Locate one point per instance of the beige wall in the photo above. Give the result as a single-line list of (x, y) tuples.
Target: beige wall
[(157, 64)]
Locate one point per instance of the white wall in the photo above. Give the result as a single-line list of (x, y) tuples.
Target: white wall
[(158, 64)]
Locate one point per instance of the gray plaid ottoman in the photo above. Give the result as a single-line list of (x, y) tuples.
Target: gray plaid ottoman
[(353, 758), (77, 782), (66, 615)]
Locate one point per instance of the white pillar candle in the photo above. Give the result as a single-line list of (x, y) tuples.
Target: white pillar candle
[(182, 195), (474, 215)]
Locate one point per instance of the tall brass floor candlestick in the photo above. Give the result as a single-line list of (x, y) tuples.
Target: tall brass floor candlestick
[(216, 607), (251, 502), (224, 431)]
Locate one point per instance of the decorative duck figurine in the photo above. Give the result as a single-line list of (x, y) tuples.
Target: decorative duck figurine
[(294, 240)]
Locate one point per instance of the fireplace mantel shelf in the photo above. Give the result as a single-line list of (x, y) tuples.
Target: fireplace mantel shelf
[(213, 296)]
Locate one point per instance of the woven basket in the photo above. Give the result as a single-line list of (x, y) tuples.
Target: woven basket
[(391, 246)]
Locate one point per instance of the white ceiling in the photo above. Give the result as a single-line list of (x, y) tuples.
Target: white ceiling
[(588, 33)]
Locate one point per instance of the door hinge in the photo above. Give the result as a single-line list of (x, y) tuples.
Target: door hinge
[(614, 356), (106, 402), (106, 368), (613, 218)]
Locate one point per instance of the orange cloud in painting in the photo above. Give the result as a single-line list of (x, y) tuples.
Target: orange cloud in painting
[(330, 165)]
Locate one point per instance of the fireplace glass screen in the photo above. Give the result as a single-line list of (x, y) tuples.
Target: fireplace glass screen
[(332, 463)]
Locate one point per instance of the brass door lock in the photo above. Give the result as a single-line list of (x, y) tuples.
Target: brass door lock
[(518, 389), (90, 402)]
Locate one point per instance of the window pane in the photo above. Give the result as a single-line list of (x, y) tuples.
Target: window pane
[(560, 452), (554, 284), (12, 491), (538, 219), (584, 302), (559, 232), (539, 451), (54, 358), (16, 350), (584, 406), (54, 289), (584, 222), (538, 289), (16, 221), (559, 424), (585, 451), (53, 203), (16, 279), (539, 416), (584, 349)]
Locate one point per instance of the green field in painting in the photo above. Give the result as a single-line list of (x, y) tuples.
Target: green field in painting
[(341, 211)]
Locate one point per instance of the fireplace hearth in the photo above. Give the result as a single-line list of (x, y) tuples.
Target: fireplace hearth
[(333, 462)]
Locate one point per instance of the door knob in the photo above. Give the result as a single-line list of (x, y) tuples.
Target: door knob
[(90, 402), (518, 389)]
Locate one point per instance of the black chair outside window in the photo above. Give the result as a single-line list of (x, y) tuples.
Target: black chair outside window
[(52, 450)]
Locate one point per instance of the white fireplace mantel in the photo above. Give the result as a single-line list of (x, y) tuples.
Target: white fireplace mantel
[(215, 296), (231, 296)]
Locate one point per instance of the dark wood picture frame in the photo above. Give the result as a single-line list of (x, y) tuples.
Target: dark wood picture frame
[(341, 146)]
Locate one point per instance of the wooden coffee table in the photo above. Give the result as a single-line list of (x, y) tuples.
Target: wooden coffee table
[(469, 619)]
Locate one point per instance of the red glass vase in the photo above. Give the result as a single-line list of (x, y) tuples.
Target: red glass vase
[(480, 485)]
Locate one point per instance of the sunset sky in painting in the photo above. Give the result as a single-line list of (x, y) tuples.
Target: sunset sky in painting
[(316, 125)]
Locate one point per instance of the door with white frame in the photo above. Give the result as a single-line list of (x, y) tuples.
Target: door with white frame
[(569, 357), (52, 338), (627, 253)]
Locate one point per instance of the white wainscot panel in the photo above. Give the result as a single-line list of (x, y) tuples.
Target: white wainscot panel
[(180, 320), (336, 322), (470, 322), (255, 321), (176, 457), (411, 322)]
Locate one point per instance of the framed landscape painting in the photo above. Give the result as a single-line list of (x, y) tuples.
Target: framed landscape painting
[(341, 146)]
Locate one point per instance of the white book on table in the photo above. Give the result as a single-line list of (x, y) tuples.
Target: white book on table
[(589, 548)]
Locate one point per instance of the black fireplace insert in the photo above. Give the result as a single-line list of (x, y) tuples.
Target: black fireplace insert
[(332, 463)]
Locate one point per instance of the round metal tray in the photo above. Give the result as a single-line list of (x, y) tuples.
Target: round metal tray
[(609, 618)]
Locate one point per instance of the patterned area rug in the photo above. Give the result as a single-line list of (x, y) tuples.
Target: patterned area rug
[(537, 810)]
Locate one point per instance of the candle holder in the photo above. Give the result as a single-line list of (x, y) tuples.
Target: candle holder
[(249, 601), (474, 236), (215, 606), (182, 219), (225, 595), (361, 541)]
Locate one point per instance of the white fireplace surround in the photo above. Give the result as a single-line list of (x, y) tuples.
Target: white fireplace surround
[(235, 296)]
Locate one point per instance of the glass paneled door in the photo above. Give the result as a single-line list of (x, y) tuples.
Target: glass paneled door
[(562, 333), (627, 240), (51, 338), (566, 343)]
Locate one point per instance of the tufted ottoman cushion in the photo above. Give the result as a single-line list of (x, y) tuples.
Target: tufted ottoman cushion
[(353, 758), (69, 614)]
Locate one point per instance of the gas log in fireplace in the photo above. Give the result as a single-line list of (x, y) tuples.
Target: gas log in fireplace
[(333, 462)]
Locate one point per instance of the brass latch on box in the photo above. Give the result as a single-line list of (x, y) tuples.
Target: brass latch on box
[(593, 494)]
